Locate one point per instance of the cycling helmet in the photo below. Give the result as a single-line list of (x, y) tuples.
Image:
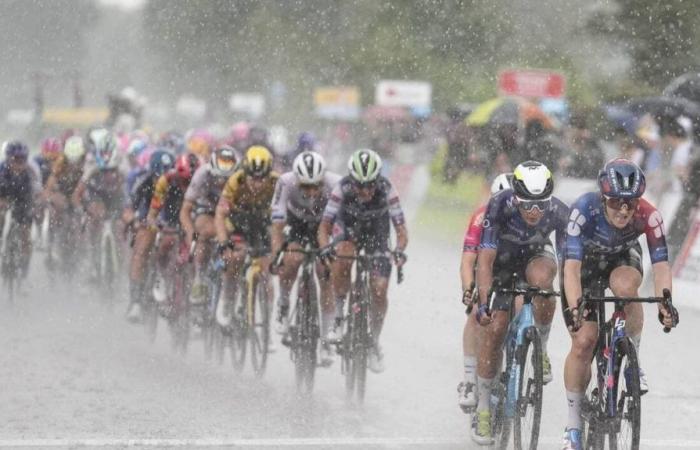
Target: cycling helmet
[(307, 142), (136, 147), (257, 161), (50, 148), (173, 142), (240, 131), (104, 145), (224, 161), (74, 150), (161, 161), (309, 167), (365, 165), (621, 178), (186, 165), (532, 180), (501, 182), (16, 150)]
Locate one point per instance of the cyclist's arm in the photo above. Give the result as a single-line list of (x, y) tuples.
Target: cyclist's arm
[(324, 233), (398, 219), (186, 217), (78, 193), (484, 272), (662, 277), (157, 199), (572, 282), (335, 200), (401, 237), (279, 214), (222, 211), (466, 269)]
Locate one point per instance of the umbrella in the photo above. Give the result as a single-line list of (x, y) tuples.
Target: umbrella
[(686, 86), (507, 111), (667, 108)]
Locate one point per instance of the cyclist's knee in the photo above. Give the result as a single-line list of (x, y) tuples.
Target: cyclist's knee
[(497, 328), (584, 342), (541, 272)]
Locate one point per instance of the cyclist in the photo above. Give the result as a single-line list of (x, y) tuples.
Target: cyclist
[(602, 247), (164, 212), (65, 175), (358, 215), (19, 188), (472, 238), (50, 152), (100, 191), (201, 198), (140, 199), (200, 143), (242, 220), (300, 197), (515, 246)]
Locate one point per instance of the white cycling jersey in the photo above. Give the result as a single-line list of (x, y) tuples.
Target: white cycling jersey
[(289, 198)]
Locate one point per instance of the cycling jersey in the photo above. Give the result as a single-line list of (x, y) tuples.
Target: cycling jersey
[(44, 166), (19, 189), (167, 198), (589, 233), (505, 229), (204, 190), (105, 185), (472, 237), (241, 199), (141, 194), (66, 175)]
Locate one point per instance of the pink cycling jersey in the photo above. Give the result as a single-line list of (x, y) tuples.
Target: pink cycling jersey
[(472, 237)]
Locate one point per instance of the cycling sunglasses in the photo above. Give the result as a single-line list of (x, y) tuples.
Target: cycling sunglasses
[(529, 205), (618, 203), (366, 186)]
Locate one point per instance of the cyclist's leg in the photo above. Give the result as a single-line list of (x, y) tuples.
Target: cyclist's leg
[(379, 282), (234, 265), (143, 242), (22, 214), (577, 366), (204, 227), (540, 272), (340, 274), (327, 301), (287, 274)]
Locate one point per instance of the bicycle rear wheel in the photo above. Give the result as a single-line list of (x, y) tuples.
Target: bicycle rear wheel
[(627, 398), (528, 408), (306, 339)]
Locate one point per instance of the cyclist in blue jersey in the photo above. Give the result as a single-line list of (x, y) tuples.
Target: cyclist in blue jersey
[(602, 247), (515, 246), (20, 187)]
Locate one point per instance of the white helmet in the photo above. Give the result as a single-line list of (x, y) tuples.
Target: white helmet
[(224, 161), (501, 182), (74, 149), (309, 167)]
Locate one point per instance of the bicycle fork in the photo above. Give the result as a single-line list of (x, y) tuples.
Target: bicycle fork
[(515, 339)]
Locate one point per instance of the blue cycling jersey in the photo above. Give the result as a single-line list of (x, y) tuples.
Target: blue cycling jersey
[(18, 186), (505, 228), (590, 234)]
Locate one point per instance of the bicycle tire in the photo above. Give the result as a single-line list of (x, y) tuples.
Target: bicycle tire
[(304, 364), (362, 346), (629, 405), (529, 392), (348, 350), (109, 271), (259, 328)]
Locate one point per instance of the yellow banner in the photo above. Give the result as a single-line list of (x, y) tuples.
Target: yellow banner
[(337, 96), (74, 116)]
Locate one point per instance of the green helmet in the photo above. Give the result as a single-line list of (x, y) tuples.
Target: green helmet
[(365, 165)]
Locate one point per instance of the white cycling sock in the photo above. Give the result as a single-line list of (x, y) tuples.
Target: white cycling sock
[(544, 334), (574, 401), (470, 369), (484, 386)]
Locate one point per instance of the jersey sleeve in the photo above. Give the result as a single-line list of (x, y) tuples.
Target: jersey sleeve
[(491, 225), (228, 195), (472, 237), (196, 187), (655, 234), (333, 205), (576, 226), (561, 222), (279, 200), (159, 193), (395, 210)]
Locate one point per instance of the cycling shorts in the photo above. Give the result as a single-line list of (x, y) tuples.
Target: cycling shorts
[(509, 270), (302, 232), (254, 231), (595, 275)]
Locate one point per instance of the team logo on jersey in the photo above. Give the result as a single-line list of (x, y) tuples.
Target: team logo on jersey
[(657, 224), (576, 221)]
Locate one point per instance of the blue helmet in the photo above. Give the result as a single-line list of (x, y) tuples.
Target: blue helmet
[(161, 161), (621, 178), (307, 142), (17, 150)]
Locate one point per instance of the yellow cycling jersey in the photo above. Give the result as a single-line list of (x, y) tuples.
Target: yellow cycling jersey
[(243, 200), (67, 175)]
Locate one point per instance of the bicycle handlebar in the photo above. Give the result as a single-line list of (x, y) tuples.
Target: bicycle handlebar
[(666, 301)]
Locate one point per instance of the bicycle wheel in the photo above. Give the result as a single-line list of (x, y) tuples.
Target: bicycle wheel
[(627, 398), (528, 408), (362, 346), (259, 327), (178, 319), (10, 264), (348, 350), (306, 339), (108, 267)]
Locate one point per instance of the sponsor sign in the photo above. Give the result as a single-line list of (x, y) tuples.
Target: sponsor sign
[(250, 104), (410, 94), (337, 102), (531, 83)]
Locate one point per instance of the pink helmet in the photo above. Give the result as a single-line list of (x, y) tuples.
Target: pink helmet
[(240, 131), (51, 148)]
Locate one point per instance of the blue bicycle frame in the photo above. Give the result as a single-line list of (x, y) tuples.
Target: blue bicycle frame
[(515, 337)]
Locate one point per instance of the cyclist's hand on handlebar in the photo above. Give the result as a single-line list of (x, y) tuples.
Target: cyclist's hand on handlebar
[(225, 250), (467, 296), (273, 268), (574, 317), (327, 254), (483, 315), (399, 257), (666, 316)]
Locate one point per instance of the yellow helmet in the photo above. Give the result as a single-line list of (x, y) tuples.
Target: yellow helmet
[(199, 146), (257, 161)]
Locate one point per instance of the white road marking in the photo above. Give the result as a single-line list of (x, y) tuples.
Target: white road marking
[(289, 442)]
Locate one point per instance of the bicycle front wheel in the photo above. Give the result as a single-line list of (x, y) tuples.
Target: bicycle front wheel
[(305, 340), (528, 407), (627, 398), (259, 327)]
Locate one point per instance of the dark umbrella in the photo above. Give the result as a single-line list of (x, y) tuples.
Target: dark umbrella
[(664, 108), (686, 86)]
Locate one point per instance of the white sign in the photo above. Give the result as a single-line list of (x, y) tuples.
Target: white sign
[(20, 117), (251, 104), (412, 94), (191, 107)]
